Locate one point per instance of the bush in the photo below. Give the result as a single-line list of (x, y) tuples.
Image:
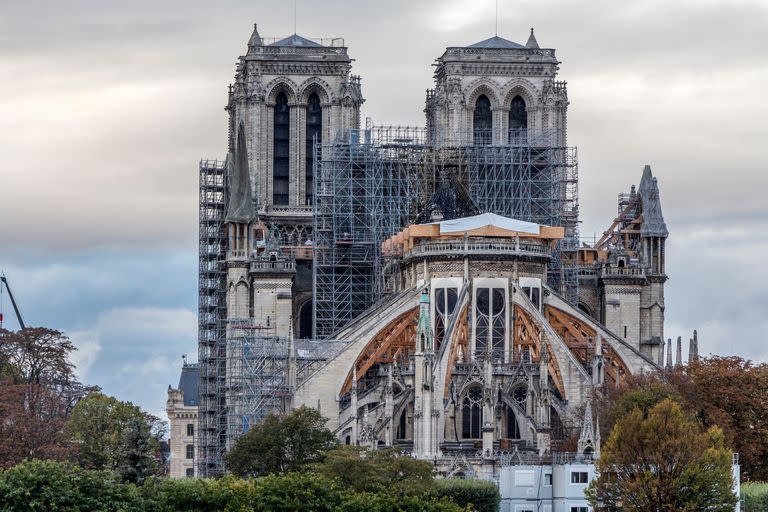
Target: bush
[(42, 486), (480, 495), (196, 495), (755, 496)]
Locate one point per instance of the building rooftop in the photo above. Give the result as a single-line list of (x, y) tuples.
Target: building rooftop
[(190, 375), (486, 222), (295, 40), (496, 42)]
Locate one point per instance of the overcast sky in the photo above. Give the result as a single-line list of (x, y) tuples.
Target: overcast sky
[(107, 107)]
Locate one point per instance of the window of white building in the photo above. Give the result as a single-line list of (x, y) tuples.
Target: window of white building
[(579, 477)]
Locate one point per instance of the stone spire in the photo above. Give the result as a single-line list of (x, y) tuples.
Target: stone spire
[(255, 40), (693, 348), (653, 218), (240, 207), (690, 350), (597, 362), (669, 354), (679, 351), (423, 330), (532, 43), (588, 441)]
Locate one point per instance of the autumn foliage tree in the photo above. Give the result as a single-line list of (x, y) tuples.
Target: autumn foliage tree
[(38, 390), (663, 460), (728, 392), (732, 393)]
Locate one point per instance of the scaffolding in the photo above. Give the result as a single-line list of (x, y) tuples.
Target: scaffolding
[(263, 371), (372, 183), (211, 431)]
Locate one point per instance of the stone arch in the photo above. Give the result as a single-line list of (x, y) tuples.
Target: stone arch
[(584, 308), (479, 87), (278, 85), (316, 85), (522, 88)]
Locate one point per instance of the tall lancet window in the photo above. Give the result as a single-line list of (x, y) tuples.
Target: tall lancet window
[(280, 162), (314, 134), (483, 121), (518, 120), (472, 413)]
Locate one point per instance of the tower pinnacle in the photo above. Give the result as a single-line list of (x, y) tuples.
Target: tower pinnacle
[(532, 43)]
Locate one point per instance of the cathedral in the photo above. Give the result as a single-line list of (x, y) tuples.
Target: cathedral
[(424, 288)]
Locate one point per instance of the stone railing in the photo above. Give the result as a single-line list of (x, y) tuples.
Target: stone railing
[(522, 52), (495, 248), (623, 272), (266, 267), (290, 209)]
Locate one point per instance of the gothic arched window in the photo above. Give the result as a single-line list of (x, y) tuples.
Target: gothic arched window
[(490, 330), (281, 141), (513, 429), (518, 120), (314, 133), (305, 320), (483, 121), (445, 301), (472, 413)]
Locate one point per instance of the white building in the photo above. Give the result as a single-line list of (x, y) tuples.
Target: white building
[(547, 488), (182, 415)]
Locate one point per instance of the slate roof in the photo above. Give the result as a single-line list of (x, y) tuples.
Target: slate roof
[(295, 40), (190, 375), (496, 42), (240, 207), (653, 218)]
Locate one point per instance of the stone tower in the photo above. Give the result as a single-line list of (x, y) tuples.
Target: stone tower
[(288, 93), (495, 92)]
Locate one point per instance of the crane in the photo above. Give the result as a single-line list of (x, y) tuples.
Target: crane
[(4, 281)]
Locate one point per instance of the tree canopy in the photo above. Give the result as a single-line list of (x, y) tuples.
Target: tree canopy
[(364, 470), (663, 460), (281, 444), (114, 435)]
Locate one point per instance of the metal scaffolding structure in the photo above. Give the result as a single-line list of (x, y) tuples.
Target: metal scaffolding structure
[(211, 430), (263, 371), (372, 183)]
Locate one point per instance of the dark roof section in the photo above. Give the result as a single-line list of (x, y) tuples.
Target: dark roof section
[(190, 375), (450, 201), (496, 42), (240, 208), (295, 40), (653, 218), (532, 42)]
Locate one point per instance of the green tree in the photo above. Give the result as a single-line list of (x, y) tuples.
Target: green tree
[(363, 470), (663, 461), (281, 444), (114, 435)]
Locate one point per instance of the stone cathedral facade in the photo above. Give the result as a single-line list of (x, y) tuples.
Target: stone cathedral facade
[(472, 353)]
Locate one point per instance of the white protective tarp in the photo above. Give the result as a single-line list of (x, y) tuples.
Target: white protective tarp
[(487, 219)]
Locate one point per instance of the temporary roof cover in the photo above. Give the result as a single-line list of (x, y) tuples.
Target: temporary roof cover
[(484, 220)]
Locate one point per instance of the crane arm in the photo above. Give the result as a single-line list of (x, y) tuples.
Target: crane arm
[(13, 302)]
